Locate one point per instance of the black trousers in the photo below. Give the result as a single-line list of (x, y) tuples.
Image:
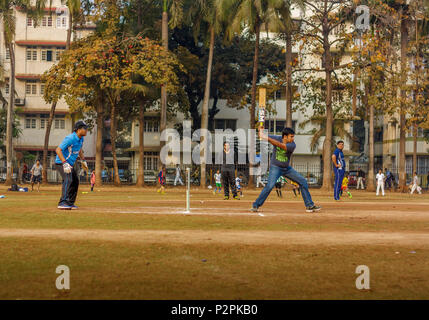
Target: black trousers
[(70, 186), (228, 180)]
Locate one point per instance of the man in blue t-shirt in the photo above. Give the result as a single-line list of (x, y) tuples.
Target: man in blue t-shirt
[(67, 153), (339, 165), (284, 146)]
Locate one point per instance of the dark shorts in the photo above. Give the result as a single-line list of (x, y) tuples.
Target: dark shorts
[(37, 179), (278, 185)]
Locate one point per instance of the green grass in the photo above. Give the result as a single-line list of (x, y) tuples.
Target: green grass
[(145, 270)]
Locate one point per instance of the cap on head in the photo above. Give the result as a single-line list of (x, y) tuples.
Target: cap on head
[(80, 125)]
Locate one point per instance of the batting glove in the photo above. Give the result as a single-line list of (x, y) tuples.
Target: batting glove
[(67, 167)]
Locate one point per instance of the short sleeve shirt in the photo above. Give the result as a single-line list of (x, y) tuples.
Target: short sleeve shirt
[(70, 147), (340, 158), (281, 157)]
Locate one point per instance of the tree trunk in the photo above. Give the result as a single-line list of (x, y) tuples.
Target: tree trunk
[(99, 143), (288, 80), (140, 175), (163, 120), (52, 112), (402, 121), (354, 92), (414, 148), (117, 180), (69, 31), (9, 119), (46, 144), (205, 110), (370, 177), (253, 104), (327, 144)]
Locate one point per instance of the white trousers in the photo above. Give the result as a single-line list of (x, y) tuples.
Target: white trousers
[(380, 185), (178, 179), (259, 181), (360, 183), (416, 187)]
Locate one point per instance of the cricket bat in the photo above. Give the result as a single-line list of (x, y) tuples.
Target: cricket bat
[(262, 105)]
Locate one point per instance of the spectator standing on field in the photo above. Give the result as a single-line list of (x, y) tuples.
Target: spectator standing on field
[(92, 180), (388, 178), (259, 176), (380, 182), (361, 177), (178, 178), (36, 175), (227, 171), (416, 184)]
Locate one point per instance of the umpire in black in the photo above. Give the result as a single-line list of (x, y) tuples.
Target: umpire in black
[(228, 171)]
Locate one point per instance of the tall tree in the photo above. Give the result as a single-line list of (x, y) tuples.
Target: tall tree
[(323, 19), (74, 11), (205, 14), (252, 15), (288, 28), (7, 16)]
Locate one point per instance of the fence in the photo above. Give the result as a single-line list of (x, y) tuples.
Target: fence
[(313, 174)]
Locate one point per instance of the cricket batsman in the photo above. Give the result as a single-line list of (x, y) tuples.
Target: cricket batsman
[(67, 153), (284, 146)]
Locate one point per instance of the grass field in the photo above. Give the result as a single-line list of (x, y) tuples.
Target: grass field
[(128, 243)]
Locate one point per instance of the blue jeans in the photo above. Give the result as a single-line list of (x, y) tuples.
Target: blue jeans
[(289, 172), (339, 176)]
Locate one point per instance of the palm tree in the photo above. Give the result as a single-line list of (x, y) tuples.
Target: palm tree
[(207, 13), (252, 15), (74, 10), (339, 128), (288, 27), (7, 15), (164, 33)]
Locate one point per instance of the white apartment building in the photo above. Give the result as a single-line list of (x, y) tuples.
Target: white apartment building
[(37, 49)]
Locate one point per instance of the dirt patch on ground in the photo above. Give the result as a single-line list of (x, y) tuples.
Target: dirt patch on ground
[(226, 237)]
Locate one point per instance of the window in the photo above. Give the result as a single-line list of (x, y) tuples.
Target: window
[(29, 22), (151, 125), (58, 53), (30, 121), (6, 89), (31, 53), (225, 124), (60, 122), (7, 54), (61, 22), (43, 121), (47, 21), (46, 55), (42, 89), (31, 88), (151, 160)]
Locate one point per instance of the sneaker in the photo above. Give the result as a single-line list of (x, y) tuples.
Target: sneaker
[(254, 209), (313, 209), (236, 198), (64, 207), (226, 198), (73, 207)]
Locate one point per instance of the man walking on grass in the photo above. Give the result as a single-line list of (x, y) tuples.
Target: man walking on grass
[(284, 146), (67, 153), (36, 175)]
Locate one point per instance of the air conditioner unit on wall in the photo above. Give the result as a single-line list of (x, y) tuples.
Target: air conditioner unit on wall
[(20, 102)]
